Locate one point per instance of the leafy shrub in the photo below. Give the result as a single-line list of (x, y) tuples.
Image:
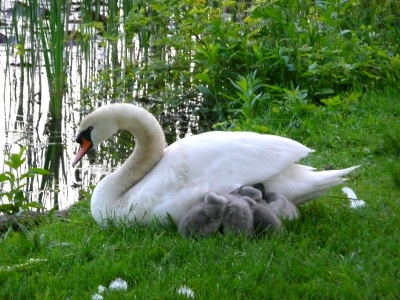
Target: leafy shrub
[(14, 200), (319, 48), (189, 55)]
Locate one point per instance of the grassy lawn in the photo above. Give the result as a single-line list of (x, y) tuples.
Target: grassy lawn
[(331, 252)]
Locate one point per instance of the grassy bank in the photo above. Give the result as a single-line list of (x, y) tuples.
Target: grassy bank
[(331, 252)]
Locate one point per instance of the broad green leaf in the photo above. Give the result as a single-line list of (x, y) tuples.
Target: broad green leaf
[(204, 90), (204, 77), (372, 76), (12, 178), (33, 204), (17, 160), (275, 88), (4, 177), (229, 97), (325, 91), (38, 171), (11, 164), (257, 14), (26, 175), (273, 15), (19, 198)]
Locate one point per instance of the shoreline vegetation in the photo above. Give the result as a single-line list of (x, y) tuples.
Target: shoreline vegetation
[(325, 74)]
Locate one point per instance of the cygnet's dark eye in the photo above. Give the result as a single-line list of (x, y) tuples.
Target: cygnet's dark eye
[(90, 128)]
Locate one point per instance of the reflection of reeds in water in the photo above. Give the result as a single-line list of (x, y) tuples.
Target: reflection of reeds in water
[(37, 36), (53, 161), (138, 63), (52, 29)]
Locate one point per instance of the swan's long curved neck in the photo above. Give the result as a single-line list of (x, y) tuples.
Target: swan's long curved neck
[(149, 148)]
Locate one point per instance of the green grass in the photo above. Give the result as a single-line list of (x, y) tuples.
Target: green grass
[(331, 252)]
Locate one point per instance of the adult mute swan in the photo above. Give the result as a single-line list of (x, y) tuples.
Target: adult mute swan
[(156, 181)]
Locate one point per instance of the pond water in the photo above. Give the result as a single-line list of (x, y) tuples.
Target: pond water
[(25, 117), (25, 121)]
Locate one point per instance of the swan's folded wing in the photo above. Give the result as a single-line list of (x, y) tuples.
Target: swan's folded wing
[(215, 162), (227, 160)]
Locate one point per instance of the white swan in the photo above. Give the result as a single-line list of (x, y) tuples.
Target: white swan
[(156, 181)]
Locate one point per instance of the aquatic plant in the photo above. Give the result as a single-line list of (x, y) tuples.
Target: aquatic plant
[(14, 196)]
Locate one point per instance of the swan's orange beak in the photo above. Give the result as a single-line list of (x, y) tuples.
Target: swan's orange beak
[(83, 148)]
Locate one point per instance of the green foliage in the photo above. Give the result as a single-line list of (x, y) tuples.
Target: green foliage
[(14, 200), (294, 68), (315, 47), (247, 94), (186, 56), (189, 55)]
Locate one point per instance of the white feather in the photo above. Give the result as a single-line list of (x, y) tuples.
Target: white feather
[(185, 291), (118, 284), (354, 201)]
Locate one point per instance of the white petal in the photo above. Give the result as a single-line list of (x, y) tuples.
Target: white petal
[(97, 297)]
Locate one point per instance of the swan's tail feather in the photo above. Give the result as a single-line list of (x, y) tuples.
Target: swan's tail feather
[(334, 176), (300, 184)]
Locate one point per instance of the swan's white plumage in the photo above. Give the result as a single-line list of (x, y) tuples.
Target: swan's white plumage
[(148, 184)]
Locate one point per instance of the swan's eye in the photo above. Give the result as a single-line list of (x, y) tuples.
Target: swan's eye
[(84, 134)]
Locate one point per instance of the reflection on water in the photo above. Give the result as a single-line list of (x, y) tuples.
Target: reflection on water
[(25, 122), (24, 113)]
